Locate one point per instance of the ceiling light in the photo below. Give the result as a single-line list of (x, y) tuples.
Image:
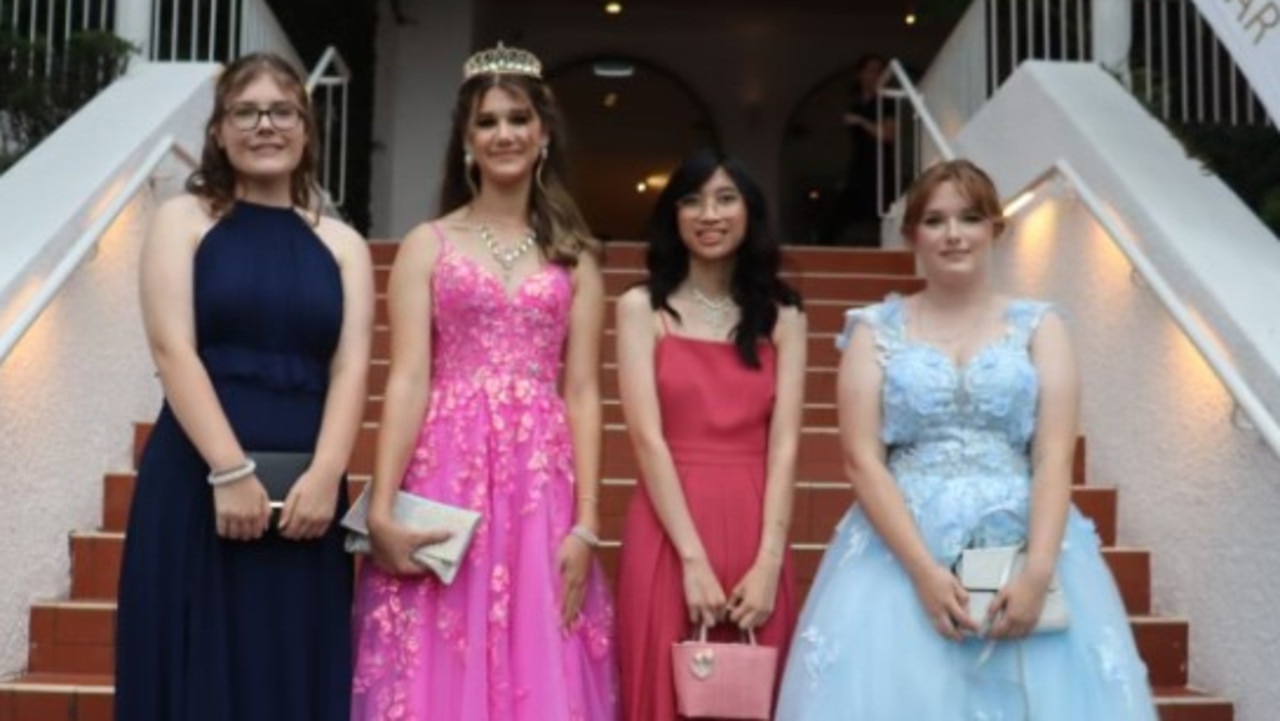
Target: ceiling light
[(613, 8), (910, 19), (612, 69), (657, 181), (641, 187)]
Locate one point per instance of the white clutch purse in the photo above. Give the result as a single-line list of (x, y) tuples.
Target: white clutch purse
[(984, 571), (423, 514)]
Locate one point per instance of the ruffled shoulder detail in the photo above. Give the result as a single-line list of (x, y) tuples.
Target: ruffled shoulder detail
[(885, 319), (1025, 316)]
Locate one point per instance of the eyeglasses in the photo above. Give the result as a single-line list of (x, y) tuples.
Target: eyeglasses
[(282, 116)]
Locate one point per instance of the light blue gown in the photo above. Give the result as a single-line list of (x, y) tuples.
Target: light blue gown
[(958, 443)]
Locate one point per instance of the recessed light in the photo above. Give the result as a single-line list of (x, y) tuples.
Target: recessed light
[(613, 8), (910, 19), (612, 69)]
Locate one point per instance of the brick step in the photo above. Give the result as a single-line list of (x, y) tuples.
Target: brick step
[(817, 507), (822, 351), (64, 697), (815, 415), (72, 637), (57, 697), (76, 637), (823, 316), (819, 457), (795, 259), (840, 287), (820, 382)]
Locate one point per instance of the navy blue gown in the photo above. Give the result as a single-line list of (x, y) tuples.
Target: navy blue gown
[(219, 630)]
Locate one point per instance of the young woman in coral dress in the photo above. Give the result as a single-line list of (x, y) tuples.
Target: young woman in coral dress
[(711, 356)]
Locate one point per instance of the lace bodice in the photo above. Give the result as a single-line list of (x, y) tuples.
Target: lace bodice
[(958, 436)]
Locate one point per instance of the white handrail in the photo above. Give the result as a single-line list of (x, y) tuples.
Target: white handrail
[(899, 73), (333, 76), (1246, 400), (87, 240)]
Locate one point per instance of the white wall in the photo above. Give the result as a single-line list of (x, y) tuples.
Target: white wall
[(419, 68), (81, 376), (1202, 494)]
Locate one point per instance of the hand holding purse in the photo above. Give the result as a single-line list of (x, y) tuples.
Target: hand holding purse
[(984, 571), (724, 680), (420, 514)]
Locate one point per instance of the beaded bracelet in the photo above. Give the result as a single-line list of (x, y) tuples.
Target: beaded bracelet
[(586, 535), (233, 474)]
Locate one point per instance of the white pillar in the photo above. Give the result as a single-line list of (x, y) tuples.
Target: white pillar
[(1112, 36), (419, 69), (133, 23)]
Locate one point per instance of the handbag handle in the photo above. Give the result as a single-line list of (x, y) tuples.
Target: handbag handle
[(750, 634), (1001, 510)]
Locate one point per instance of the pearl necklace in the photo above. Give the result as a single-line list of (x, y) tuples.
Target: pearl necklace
[(716, 311), (506, 256)]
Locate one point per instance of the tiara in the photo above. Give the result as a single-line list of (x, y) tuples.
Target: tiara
[(502, 60)]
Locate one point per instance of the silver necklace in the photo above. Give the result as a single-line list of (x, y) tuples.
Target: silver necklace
[(715, 311), (506, 256)]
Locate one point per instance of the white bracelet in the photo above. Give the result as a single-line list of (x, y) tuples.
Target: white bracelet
[(233, 474), (586, 535)]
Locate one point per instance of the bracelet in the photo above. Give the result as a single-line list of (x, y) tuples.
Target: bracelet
[(586, 535), (233, 474), (583, 500)]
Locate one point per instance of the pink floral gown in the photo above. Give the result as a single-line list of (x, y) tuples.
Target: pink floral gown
[(496, 439)]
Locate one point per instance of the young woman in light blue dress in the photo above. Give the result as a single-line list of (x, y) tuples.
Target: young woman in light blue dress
[(958, 419)]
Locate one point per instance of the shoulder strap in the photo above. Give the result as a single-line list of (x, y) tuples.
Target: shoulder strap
[(1025, 316), (444, 239)]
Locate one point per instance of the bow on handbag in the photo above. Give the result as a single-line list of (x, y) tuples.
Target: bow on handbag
[(724, 680)]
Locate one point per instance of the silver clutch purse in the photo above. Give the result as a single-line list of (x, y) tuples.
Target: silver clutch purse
[(420, 514), (984, 571)]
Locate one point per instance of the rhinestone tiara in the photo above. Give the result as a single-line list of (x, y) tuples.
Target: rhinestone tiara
[(502, 60)]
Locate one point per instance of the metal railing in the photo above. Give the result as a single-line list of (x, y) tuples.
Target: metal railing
[(331, 79), (84, 244), (1164, 50), (917, 139)]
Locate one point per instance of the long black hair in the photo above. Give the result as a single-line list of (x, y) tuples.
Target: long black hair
[(754, 285)]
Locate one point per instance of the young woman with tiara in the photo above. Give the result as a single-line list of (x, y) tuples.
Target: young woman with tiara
[(493, 404)]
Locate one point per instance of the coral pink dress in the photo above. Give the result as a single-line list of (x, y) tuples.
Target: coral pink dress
[(715, 417), (496, 439)]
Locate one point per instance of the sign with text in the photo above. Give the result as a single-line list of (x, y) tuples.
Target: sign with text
[(1251, 31)]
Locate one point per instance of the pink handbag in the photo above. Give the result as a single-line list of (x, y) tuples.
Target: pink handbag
[(724, 680)]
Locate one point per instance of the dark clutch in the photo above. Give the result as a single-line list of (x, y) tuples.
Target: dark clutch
[(278, 471)]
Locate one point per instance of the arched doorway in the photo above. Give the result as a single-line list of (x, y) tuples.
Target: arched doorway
[(630, 122)]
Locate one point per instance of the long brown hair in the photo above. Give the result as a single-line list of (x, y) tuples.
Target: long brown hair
[(562, 233), (215, 180)]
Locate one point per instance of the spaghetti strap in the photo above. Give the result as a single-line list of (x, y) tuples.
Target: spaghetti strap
[(662, 319), (444, 239)]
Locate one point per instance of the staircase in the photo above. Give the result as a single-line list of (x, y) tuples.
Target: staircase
[(70, 663)]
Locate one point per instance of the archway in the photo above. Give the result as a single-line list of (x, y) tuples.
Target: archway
[(630, 122)]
